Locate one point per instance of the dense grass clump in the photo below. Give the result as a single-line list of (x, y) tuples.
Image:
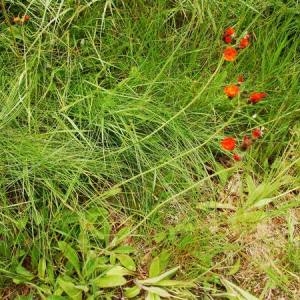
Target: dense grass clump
[(111, 117)]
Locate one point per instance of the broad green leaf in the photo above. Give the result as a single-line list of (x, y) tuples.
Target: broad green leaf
[(175, 283), (132, 292), (124, 250), (126, 261), (70, 254), (152, 296), (262, 202), (82, 287), (158, 291), (21, 223), (24, 272), (37, 217), (42, 268), (70, 289), (118, 270), (83, 241), (164, 258), (214, 205), (4, 248), (159, 237), (112, 258), (54, 297), (94, 213), (235, 267), (90, 267), (238, 292), (109, 281), (156, 279), (50, 278), (120, 236), (154, 269)]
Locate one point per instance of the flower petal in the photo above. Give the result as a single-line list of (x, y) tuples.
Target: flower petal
[(230, 54), (228, 143)]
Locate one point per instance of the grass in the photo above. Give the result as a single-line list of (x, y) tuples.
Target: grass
[(110, 121)]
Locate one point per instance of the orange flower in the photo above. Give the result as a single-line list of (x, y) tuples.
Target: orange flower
[(230, 54), (26, 18), (228, 143), (244, 42), (236, 157), (247, 142), (240, 79), (231, 90), (227, 39), (229, 31), (255, 97), (16, 20), (21, 21), (228, 35), (256, 133)]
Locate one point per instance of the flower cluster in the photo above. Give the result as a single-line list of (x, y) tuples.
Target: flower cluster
[(20, 20), (233, 90), (230, 53), (230, 143)]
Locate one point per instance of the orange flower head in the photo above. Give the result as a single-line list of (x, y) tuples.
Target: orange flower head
[(255, 97), (228, 143), (16, 20), (256, 133), (26, 18), (227, 39), (231, 90), (240, 79), (244, 42), (229, 31), (236, 157), (230, 54), (247, 142)]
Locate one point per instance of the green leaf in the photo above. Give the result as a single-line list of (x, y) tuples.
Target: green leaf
[(24, 272), (175, 283), (262, 202), (109, 281), (69, 288), (158, 291), (164, 258), (154, 280), (94, 213), (154, 269), (120, 236), (237, 292), (42, 268), (50, 278), (83, 242), (132, 292), (90, 267), (4, 248), (118, 270), (152, 296), (235, 267), (215, 205), (159, 237), (70, 254), (54, 297), (126, 261), (112, 258), (124, 250)]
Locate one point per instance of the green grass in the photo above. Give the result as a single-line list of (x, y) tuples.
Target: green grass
[(111, 116)]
